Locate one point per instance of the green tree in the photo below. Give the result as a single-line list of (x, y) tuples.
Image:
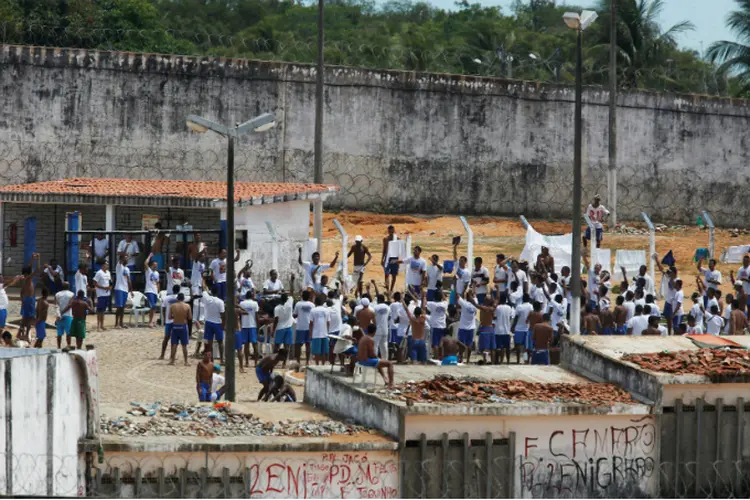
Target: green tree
[(734, 57)]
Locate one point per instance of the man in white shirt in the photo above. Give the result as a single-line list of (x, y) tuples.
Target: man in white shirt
[(175, 275), (213, 329), (519, 276), (480, 277), (82, 279), (743, 276), (520, 327), (434, 278), (382, 323), (249, 310), (273, 287), (151, 290), (170, 299), (437, 321), (302, 310), (123, 290), (129, 247), (395, 323), (53, 276), (282, 324), (64, 320), (597, 213), (714, 321), (319, 322), (313, 270), (711, 277), (677, 301), (100, 248), (197, 283), (503, 318), (648, 286), (500, 279), (103, 286), (416, 268), (463, 274), (466, 324), (638, 323), (218, 269)]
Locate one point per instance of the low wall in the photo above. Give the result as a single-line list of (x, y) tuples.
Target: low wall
[(50, 402)]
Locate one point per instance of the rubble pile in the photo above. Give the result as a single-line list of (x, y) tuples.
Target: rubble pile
[(452, 390), (709, 362), (641, 229), (213, 421)]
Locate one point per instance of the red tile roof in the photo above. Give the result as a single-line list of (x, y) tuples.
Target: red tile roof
[(183, 190)]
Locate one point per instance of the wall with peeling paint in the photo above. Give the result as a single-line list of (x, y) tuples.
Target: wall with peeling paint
[(394, 141)]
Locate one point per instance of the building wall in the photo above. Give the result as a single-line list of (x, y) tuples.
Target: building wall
[(46, 411), (391, 139)]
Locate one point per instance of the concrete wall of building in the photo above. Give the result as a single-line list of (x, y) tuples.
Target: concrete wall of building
[(391, 139), (47, 408), (277, 474)]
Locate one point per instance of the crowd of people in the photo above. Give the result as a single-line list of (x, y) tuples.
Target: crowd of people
[(520, 310)]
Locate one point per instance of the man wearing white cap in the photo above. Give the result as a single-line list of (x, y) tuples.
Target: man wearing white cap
[(597, 213), (359, 250)]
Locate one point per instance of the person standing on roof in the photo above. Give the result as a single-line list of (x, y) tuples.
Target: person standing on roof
[(597, 213), (360, 251)]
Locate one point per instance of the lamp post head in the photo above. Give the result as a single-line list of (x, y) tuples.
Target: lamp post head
[(580, 21), (196, 127)]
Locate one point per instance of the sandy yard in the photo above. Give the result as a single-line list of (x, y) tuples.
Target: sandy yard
[(130, 370)]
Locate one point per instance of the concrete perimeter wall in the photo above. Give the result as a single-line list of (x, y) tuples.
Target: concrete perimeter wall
[(392, 139)]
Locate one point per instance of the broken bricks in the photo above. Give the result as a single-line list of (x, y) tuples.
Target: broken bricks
[(708, 362)]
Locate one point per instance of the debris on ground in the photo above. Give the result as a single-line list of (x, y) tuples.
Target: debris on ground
[(709, 362), (212, 421), (472, 390)]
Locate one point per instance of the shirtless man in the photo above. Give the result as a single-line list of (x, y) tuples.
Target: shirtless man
[(28, 299), (280, 391), (542, 337), (653, 327), (487, 344), (80, 306), (204, 376), (366, 356), (418, 351), (196, 247), (620, 316), (591, 323), (42, 307), (546, 262), (264, 370), (737, 318), (449, 351), (365, 316), (607, 319), (159, 245), (180, 314), (360, 251), (389, 261)]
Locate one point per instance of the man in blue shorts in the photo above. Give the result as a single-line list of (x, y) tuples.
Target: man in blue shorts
[(366, 356), (180, 314), (103, 286), (28, 299), (542, 338), (264, 370), (282, 325), (64, 321), (123, 290), (389, 261), (213, 308), (42, 308), (467, 324)]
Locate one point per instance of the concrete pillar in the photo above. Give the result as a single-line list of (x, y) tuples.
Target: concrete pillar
[(109, 218), (2, 237)]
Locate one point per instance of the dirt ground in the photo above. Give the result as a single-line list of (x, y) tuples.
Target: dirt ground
[(493, 235), (130, 370)]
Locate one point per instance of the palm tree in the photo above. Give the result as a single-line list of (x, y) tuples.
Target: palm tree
[(641, 44), (734, 57)]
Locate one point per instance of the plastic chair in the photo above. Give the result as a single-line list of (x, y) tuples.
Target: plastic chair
[(363, 372), (139, 309)]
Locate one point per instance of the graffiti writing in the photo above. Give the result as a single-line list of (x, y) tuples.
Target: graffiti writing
[(337, 476)]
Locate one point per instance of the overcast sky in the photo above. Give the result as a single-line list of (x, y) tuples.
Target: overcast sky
[(708, 16)]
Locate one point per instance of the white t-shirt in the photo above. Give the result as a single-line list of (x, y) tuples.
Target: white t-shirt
[(382, 315), (58, 270), (393, 315), (104, 279), (196, 275), (175, 276), (335, 309), (152, 280), (244, 285), (217, 382), (309, 267), (213, 307), (712, 302), (714, 275), (649, 287), (516, 298), (467, 320), (638, 323), (249, 319), (727, 315), (463, 278), (414, 269), (714, 324), (82, 283), (284, 314), (63, 298), (403, 319), (630, 306), (695, 330), (3, 297), (503, 319), (558, 312), (537, 295), (679, 298), (121, 273), (273, 286), (168, 301), (520, 277), (101, 247), (434, 274), (302, 310), (219, 269), (522, 316), (501, 277), (478, 277), (743, 274), (438, 314), (130, 250), (320, 317), (596, 214), (697, 312), (565, 281)]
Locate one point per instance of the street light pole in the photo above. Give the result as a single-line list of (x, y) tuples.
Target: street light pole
[(578, 22), (575, 267), (318, 144), (613, 110), (259, 124), (229, 317)]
